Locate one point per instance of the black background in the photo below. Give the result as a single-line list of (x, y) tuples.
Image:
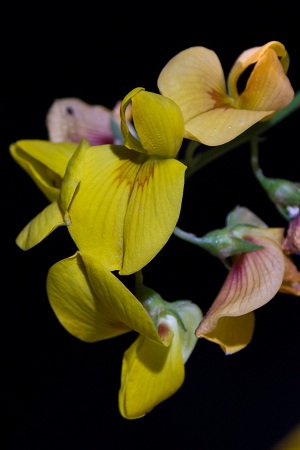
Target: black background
[(60, 393)]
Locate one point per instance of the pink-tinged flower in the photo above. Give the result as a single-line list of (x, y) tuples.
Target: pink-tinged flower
[(255, 277), (215, 112), (71, 119)]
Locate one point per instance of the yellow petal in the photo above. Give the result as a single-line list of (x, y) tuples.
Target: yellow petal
[(92, 303), (126, 206), (130, 140), (153, 211), (158, 122), (99, 207), (253, 280), (163, 130), (56, 214), (72, 178), (40, 227), (151, 373), (45, 162), (232, 334)]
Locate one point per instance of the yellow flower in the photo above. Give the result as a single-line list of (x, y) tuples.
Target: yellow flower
[(215, 113), (122, 201), (93, 305), (254, 279), (71, 119)]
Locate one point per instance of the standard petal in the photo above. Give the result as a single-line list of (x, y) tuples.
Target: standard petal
[(45, 162), (194, 79), (92, 303), (97, 212), (253, 280), (152, 212), (151, 373), (126, 206), (40, 227)]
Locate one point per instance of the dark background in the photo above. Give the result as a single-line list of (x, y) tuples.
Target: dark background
[(60, 393)]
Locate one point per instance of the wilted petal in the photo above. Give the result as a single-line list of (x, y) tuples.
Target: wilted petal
[(92, 303), (291, 279), (45, 162), (151, 373), (291, 242), (71, 119), (253, 280)]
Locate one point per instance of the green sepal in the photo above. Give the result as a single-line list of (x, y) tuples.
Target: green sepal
[(226, 242)]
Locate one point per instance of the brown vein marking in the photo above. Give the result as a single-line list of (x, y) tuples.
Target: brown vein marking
[(220, 100), (135, 172)]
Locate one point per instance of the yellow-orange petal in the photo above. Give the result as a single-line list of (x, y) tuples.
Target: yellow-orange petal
[(221, 125), (250, 57), (232, 334), (268, 88), (194, 79)]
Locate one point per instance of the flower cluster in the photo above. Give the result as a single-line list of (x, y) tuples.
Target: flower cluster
[(115, 179)]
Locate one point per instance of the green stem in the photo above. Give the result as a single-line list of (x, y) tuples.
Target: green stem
[(189, 237)]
